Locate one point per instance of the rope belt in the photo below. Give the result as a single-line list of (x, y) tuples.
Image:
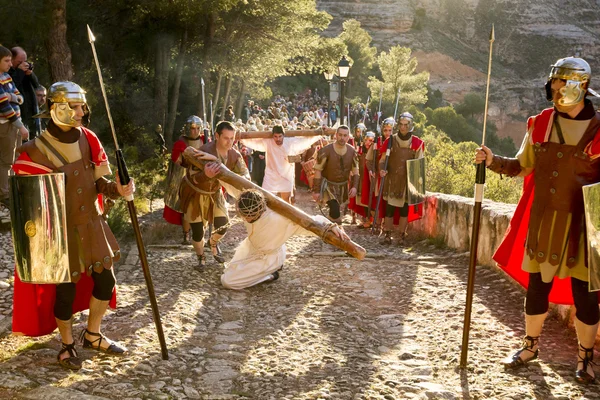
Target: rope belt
[(185, 178)]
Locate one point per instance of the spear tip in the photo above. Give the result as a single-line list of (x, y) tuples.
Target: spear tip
[(492, 35), (91, 36), (202, 81)]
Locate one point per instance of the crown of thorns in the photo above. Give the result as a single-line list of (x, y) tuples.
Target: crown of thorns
[(251, 204)]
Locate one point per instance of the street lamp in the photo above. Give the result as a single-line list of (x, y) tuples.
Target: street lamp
[(329, 77), (343, 70)]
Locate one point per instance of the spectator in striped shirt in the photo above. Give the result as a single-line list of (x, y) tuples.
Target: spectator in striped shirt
[(12, 130)]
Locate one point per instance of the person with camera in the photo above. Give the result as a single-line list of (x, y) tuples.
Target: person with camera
[(26, 82), (12, 130)]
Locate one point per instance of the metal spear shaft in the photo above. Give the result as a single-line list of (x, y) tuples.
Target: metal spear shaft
[(479, 183), (203, 102), (124, 179), (366, 108), (379, 109), (396, 109)]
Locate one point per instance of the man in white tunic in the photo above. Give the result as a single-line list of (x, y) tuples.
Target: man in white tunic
[(261, 255), (279, 172)]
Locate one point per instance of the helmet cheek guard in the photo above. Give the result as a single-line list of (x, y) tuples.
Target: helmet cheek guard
[(60, 97), (576, 73)]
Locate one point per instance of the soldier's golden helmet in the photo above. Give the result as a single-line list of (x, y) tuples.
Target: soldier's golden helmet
[(60, 95)]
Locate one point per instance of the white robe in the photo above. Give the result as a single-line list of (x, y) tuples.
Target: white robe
[(279, 173), (263, 251)]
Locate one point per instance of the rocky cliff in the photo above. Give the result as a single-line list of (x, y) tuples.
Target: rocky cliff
[(450, 40)]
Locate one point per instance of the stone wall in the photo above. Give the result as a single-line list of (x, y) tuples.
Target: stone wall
[(449, 218)]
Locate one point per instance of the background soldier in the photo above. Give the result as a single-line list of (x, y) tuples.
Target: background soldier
[(360, 203), (336, 162), (201, 197), (373, 155), (560, 153), (405, 146), (191, 136), (68, 147)]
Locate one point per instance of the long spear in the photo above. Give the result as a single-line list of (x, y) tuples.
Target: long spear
[(366, 109), (124, 178), (203, 102), (385, 164), (379, 109), (479, 183)]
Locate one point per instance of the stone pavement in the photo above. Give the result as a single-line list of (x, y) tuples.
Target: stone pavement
[(332, 327)]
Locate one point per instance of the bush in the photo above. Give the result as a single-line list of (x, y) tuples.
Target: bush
[(450, 169), (149, 171)]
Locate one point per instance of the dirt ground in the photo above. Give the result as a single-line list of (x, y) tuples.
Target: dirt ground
[(332, 327)]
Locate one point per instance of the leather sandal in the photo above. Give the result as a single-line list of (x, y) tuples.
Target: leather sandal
[(515, 361), (201, 262), (581, 375), (114, 348), (387, 239), (73, 361), (216, 252), (186, 238)]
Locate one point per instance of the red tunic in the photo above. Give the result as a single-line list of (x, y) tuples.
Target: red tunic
[(33, 304), (509, 254)]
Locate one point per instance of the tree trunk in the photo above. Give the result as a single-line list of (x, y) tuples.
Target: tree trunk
[(161, 81), (59, 53), (175, 92), (227, 92), (209, 35), (216, 100), (238, 110)]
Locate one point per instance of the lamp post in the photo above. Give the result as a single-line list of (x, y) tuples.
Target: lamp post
[(329, 77), (343, 70)]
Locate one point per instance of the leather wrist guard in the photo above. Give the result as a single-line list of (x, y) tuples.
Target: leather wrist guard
[(107, 188), (355, 181), (316, 188), (505, 166)]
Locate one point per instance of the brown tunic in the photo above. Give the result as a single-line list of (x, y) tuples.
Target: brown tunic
[(200, 194), (558, 198), (336, 172), (394, 186), (92, 245)]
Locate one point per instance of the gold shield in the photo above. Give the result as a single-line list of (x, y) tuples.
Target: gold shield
[(415, 180), (39, 228), (591, 200)]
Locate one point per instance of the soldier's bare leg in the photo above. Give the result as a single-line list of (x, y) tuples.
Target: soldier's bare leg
[(198, 243), (186, 231)]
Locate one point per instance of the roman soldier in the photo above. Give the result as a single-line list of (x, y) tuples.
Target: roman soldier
[(191, 135), (545, 246), (373, 155), (404, 146), (68, 148), (360, 203), (201, 197), (336, 163)]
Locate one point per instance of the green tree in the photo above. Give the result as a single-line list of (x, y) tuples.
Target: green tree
[(472, 106), (450, 169), (397, 69)]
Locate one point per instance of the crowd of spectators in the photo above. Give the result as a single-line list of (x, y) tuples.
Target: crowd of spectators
[(21, 96)]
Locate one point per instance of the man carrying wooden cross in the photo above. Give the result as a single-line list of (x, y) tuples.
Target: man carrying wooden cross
[(279, 172)]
